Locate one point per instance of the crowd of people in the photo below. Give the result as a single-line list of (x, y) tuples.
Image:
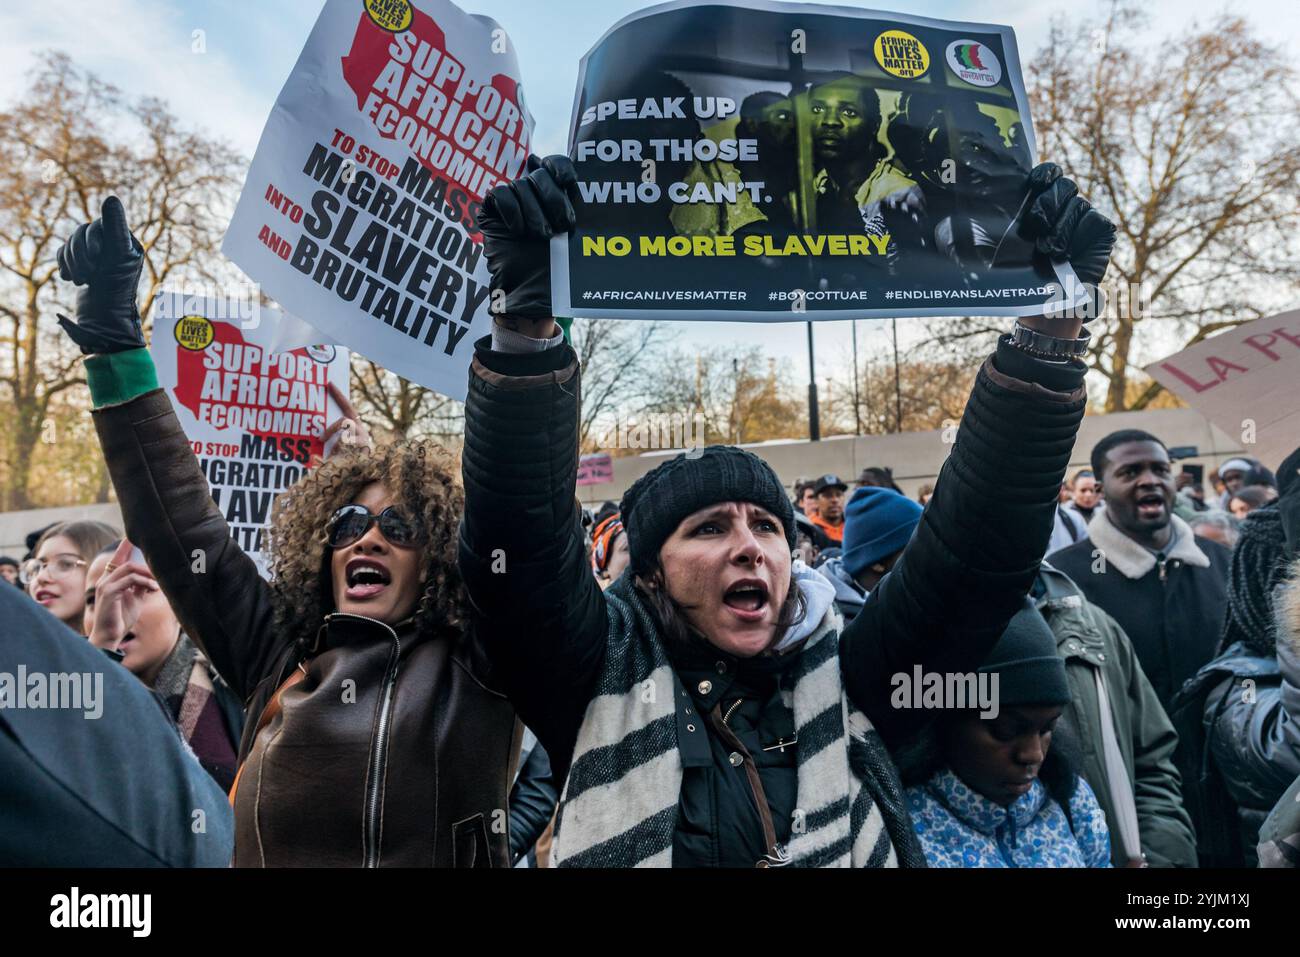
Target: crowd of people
[(453, 663)]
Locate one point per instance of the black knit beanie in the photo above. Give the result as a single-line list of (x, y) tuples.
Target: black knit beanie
[(1288, 473), (658, 501), (1288, 486), (1258, 563), (1025, 660)]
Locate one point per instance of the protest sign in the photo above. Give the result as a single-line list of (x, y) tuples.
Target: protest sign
[(772, 161), (1244, 381), (595, 469), (359, 209), (253, 417)]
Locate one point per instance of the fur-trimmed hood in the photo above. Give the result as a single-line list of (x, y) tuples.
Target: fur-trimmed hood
[(1134, 561)]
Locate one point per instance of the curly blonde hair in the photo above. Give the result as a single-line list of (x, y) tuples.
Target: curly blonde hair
[(423, 477)]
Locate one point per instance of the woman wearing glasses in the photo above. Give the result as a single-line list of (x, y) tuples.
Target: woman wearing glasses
[(56, 574), (371, 737)]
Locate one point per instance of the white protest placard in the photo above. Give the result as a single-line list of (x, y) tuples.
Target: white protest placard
[(1246, 381), (254, 417), (359, 210)]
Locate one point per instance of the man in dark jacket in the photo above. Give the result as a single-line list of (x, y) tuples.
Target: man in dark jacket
[(716, 726), (103, 781), (1144, 566)]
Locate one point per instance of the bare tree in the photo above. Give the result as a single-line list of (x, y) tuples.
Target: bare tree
[(70, 141), (933, 385), (743, 395), (621, 369), (402, 409), (1190, 145)]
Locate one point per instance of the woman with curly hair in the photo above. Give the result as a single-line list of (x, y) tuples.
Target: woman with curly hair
[(371, 736)]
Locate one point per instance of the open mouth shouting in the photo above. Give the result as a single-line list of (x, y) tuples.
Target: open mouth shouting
[(748, 599), (1151, 506), (366, 578)]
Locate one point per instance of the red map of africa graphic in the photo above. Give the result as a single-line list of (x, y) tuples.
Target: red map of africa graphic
[(369, 55), (190, 374)]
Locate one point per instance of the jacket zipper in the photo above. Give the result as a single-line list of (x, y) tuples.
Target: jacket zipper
[(777, 855), (374, 774)]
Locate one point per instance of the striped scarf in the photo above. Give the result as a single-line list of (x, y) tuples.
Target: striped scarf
[(185, 685), (619, 806)]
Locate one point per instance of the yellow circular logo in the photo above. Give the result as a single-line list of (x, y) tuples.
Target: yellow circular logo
[(194, 333), (901, 54), (391, 15)]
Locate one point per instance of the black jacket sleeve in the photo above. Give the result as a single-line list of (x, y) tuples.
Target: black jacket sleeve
[(532, 802), (976, 551), (537, 608)]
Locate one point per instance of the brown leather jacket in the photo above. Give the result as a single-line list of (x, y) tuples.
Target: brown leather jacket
[(382, 747)]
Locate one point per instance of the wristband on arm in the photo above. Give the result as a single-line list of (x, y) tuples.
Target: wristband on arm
[(115, 378)]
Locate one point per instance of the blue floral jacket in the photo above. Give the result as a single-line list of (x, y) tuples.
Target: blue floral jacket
[(958, 827)]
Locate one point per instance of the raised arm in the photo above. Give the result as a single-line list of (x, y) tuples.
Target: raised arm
[(537, 607), (976, 550), (979, 543), (214, 588)]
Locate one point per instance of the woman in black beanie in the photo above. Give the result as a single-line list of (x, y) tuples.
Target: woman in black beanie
[(998, 787), (708, 709)]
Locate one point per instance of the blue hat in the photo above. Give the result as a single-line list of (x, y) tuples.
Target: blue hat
[(877, 523)]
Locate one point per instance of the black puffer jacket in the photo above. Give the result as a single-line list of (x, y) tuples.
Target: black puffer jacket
[(1251, 718), (543, 620)]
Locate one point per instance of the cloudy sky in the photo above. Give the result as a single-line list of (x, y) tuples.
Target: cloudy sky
[(146, 47)]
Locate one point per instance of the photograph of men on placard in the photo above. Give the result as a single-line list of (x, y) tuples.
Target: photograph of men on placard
[(880, 161)]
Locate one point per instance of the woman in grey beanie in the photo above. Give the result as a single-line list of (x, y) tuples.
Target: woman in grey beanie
[(709, 708)]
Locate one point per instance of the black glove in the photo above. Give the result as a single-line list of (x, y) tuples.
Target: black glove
[(105, 260), (1065, 227), (517, 222)]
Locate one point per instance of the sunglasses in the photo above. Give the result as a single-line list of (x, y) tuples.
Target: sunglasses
[(349, 523)]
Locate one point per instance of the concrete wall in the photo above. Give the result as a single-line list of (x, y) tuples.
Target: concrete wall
[(916, 457), (14, 526)]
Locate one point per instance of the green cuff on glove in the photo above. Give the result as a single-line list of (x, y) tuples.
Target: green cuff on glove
[(118, 377)]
